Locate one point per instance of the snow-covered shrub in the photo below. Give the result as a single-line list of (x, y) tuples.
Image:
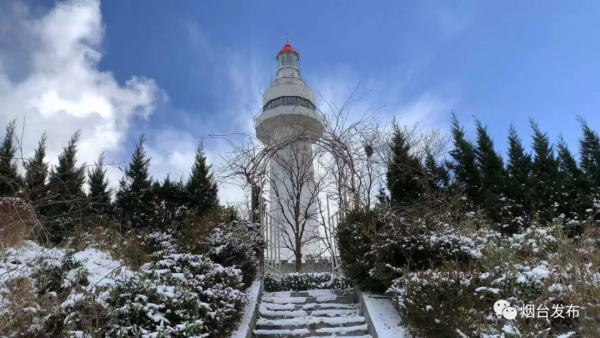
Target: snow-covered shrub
[(58, 277), (225, 241), (419, 243), (234, 245), (307, 281), (354, 237), (438, 303), (181, 295), (48, 292), (540, 267)]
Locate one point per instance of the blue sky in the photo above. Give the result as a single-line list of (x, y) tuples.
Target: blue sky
[(201, 65), (500, 61)]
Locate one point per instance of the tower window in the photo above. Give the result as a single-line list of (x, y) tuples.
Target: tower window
[(289, 101), (288, 59)]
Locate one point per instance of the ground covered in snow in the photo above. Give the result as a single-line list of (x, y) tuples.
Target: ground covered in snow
[(88, 292), (251, 301), (385, 317)]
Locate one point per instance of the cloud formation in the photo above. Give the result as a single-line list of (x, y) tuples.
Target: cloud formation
[(50, 81)]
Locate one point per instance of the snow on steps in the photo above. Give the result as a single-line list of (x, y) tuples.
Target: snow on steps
[(315, 313)]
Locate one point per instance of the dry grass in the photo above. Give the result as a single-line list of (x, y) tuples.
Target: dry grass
[(107, 235), (25, 307), (17, 222)]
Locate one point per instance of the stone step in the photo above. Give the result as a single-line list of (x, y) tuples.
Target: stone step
[(309, 306), (355, 331), (313, 313), (336, 336), (347, 299), (316, 293), (282, 314), (310, 322)]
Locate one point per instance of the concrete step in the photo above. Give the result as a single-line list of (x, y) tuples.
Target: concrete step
[(282, 314), (346, 299), (302, 333), (309, 306), (310, 322), (313, 313)]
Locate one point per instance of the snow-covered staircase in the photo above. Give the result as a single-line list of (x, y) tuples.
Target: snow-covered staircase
[(315, 313)]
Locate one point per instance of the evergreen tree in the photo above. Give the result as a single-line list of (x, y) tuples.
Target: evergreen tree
[(589, 151), (382, 197), (518, 181), (66, 191), (169, 197), (571, 197), (36, 174), (437, 175), (201, 188), (10, 181), (134, 199), (491, 167), (544, 174), (405, 175), (99, 196), (464, 166)]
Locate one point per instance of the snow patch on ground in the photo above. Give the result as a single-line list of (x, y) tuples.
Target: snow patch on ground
[(251, 299), (19, 262), (319, 293), (386, 320)]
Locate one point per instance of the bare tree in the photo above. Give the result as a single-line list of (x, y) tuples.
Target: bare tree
[(295, 190)]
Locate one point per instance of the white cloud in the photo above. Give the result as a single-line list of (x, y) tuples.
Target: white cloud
[(383, 99), (49, 79)]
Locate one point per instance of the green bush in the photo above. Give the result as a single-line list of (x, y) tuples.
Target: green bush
[(437, 304), (307, 281), (354, 236), (181, 295), (417, 244), (225, 241)]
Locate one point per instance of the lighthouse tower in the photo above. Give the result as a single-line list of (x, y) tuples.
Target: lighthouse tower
[(290, 123)]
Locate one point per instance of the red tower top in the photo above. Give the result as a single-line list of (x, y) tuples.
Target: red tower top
[(288, 48)]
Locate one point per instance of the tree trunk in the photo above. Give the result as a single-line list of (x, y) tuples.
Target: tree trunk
[(298, 255)]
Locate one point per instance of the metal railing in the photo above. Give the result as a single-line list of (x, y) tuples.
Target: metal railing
[(332, 224), (271, 266), (271, 262)]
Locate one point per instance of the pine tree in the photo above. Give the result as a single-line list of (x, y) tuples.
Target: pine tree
[(571, 199), (492, 171), (544, 175), (169, 198), (589, 151), (36, 174), (464, 166), (66, 191), (134, 199), (437, 175), (99, 195), (10, 181), (201, 188), (405, 175), (518, 181), (382, 197)]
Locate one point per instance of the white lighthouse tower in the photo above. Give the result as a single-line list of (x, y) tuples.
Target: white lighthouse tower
[(290, 123)]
